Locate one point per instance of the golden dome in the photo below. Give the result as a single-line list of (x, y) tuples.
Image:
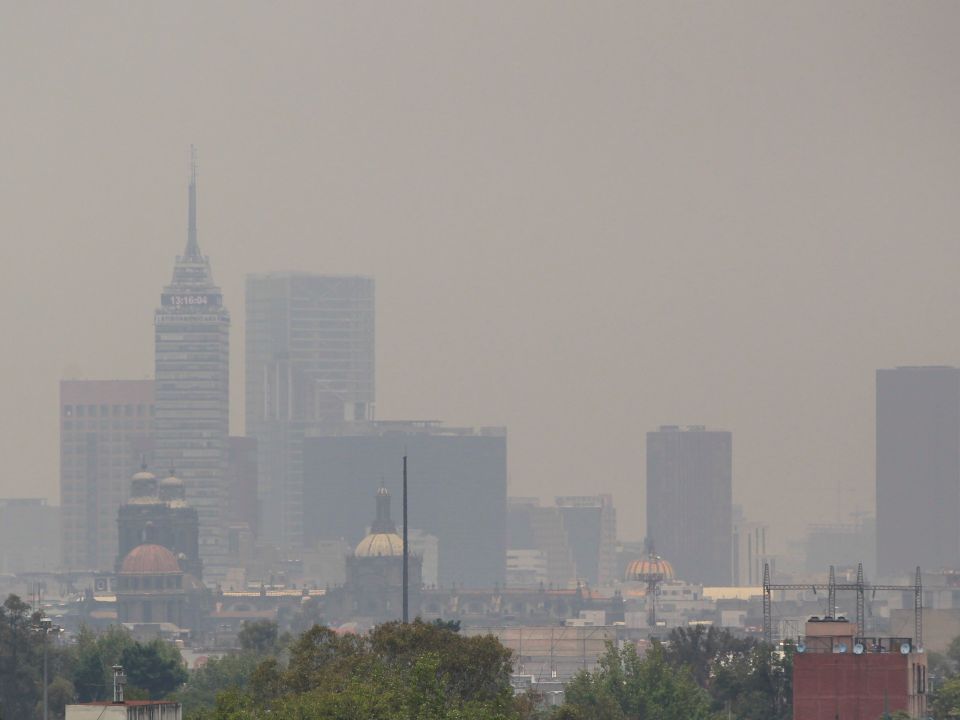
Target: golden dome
[(649, 567), (380, 545), (171, 481)]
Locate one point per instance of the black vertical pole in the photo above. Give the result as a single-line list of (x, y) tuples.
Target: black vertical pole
[(406, 550)]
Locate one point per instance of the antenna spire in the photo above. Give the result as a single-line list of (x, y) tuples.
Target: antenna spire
[(193, 247)]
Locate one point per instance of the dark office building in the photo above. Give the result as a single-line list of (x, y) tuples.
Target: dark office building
[(457, 483), (918, 469), (242, 476), (690, 501)]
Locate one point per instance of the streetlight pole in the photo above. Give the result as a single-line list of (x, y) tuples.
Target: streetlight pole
[(45, 625)]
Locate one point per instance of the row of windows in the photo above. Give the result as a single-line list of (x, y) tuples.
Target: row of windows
[(107, 410), (103, 426), (150, 583)]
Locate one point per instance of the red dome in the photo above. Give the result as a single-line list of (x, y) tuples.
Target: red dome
[(149, 560)]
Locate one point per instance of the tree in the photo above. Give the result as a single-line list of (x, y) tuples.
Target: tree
[(258, 637), (230, 672), (953, 653), (701, 649), (628, 686), (946, 700), (478, 667), (21, 658), (60, 693), (319, 655), (95, 656), (156, 667), (418, 671)]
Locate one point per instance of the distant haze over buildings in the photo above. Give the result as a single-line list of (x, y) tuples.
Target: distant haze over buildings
[(584, 221)]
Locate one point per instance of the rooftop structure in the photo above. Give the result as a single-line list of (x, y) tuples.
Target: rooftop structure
[(837, 673), (126, 710)]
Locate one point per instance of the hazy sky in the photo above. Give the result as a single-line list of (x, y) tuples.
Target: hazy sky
[(584, 219)]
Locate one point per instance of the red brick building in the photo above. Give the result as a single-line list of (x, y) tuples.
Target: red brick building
[(838, 676)]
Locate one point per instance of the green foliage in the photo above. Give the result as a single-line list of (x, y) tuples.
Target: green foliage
[(21, 659), (628, 686), (946, 701), (258, 637), (477, 667), (701, 649), (230, 672), (452, 625), (419, 671), (60, 693), (953, 653), (155, 667), (95, 656), (742, 676)]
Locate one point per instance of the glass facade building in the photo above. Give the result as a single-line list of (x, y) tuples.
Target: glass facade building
[(105, 435), (309, 365), (690, 501), (918, 469)]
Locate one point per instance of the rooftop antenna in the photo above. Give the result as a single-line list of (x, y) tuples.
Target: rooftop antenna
[(406, 550), (119, 680), (193, 247), (832, 594)]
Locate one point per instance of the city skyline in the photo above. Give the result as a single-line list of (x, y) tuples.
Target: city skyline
[(572, 227)]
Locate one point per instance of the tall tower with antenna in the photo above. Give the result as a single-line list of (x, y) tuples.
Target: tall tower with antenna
[(192, 344)]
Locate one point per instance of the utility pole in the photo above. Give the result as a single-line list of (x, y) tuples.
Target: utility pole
[(406, 550)]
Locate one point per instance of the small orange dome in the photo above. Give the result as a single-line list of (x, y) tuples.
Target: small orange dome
[(649, 567), (149, 560)]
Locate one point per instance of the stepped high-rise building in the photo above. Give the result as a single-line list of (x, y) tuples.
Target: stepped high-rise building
[(191, 387), (690, 501), (918, 469), (309, 365)]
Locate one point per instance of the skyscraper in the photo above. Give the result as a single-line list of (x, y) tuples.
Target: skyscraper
[(105, 434), (192, 386), (591, 525), (918, 469), (690, 501), (309, 364), (457, 490)]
